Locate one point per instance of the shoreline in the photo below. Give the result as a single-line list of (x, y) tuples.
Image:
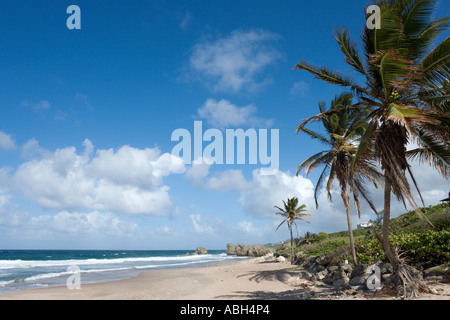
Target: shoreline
[(254, 278)]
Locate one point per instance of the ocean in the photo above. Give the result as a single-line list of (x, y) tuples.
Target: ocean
[(28, 269)]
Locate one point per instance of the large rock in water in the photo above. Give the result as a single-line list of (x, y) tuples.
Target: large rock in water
[(254, 250), (201, 250)]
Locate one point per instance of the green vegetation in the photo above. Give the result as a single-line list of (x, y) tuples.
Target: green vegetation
[(416, 240)]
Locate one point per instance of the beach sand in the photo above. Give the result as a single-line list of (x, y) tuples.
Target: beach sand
[(257, 278)]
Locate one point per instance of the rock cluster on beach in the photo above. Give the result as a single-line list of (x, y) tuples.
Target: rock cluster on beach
[(253, 250), (341, 275)]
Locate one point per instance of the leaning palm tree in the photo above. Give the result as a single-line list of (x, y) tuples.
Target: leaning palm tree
[(342, 130), (291, 213), (405, 83)]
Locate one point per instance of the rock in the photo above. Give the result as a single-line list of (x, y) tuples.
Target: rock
[(336, 275), (254, 250), (323, 260), (258, 250), (280, 259), (319, 275), (231, 249), (332, 268), (346, 267), (295, 281), (201, 250), (300, 258), (358, 280), (342, 282), (310, 263), (435, 271), (305, 275), (241, 249), (359, 270), (284, 246), (385, 268)]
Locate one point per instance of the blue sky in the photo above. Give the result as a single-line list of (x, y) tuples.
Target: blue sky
[(86, 118)]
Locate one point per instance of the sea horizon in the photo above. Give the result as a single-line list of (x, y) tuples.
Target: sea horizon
[(22, 269)]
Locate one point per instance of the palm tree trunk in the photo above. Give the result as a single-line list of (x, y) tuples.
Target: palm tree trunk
[(292, 245), (386, 220), (344, 195)]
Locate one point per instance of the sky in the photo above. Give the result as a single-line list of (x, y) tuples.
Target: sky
[(87, 117)]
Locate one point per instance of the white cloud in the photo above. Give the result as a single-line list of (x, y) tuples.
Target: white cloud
[(235, 63), (6, 141), (198, 171), (266, 191), (299, 89), (39, 106), (227, 180), (199, 225), (128, 180), (222, 114)]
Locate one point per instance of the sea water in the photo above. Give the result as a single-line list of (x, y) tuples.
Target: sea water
[(27, 269)]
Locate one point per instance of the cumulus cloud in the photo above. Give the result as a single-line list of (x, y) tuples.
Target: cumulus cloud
[(266, 191), (6, 141), (127, 180), (222, 114), (258, 195), (235, 63)]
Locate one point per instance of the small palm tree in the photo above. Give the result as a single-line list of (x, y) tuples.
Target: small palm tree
[(291, 213)]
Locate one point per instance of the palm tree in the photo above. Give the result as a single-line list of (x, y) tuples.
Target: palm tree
[(291, 213), (406, 84), (342, 131)]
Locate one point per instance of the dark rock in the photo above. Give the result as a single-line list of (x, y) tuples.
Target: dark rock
[(360, 269), (385, 268), (358, 280)]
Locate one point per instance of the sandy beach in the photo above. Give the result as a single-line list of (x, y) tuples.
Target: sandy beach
[(257, 278)]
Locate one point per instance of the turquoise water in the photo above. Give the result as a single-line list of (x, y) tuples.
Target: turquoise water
[(27, 269)]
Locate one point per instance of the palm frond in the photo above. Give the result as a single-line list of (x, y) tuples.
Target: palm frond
[(331, 76)]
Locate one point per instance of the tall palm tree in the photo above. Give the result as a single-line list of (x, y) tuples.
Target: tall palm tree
[(343, 128), (292, 212), (405, 83)]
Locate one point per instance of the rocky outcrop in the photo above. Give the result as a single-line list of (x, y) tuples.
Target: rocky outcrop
[(201, 250), (342, 275), (254, 250)]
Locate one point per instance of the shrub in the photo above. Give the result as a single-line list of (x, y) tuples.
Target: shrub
[(425, 248)]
